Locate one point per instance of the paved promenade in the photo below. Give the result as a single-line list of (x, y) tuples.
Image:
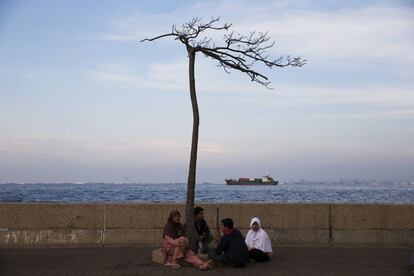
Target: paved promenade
[(137, 261)]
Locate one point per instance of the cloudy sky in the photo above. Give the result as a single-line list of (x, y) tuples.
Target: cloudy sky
[(82, 100)]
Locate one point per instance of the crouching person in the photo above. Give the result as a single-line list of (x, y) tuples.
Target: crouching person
[(231, 248), (175, 245)]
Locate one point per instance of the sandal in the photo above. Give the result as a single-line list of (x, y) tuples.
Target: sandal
[(173, 265)]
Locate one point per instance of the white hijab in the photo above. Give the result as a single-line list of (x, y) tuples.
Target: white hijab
[(258, 239)]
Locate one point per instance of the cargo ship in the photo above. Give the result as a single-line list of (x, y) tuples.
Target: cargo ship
[(265, 180)]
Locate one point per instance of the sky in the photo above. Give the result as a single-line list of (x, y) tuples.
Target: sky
[(82, 100)]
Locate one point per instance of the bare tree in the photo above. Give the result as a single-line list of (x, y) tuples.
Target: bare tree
[(237, 52)]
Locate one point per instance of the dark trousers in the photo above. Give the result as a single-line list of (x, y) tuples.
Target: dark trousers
[(221, 259), (218, 258), (258, 255)]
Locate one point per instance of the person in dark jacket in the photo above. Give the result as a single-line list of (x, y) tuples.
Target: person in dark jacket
[(231, 247), (204, 236)]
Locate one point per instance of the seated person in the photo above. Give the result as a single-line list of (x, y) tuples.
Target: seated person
[(231, 248), (258, 242), (175, 245), (203, 234)]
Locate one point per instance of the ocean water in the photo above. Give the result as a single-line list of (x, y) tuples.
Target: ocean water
[(299, 192)]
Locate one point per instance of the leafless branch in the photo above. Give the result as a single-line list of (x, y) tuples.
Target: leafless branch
[(157, 37), (238, 52)]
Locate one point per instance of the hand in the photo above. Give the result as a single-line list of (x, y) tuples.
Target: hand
[(218, 235)]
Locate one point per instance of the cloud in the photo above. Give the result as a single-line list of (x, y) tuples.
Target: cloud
[(360, 34), (110, 151), (137, 26), (365, 34), (377, 100), (367, 95), (172, 76)]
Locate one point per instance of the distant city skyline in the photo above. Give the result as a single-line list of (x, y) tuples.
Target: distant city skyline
[(82, 100)]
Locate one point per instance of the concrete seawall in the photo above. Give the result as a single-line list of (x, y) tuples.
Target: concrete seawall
[(96, 225)]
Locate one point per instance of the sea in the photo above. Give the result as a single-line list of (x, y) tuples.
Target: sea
[(285, 192)]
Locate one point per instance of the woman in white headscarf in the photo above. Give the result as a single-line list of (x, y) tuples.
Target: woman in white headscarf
[(258, 242)]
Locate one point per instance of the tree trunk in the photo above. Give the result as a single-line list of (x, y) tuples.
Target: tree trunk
[(189, 208)]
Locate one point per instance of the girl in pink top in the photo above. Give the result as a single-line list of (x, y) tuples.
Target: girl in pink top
[(175, 245)]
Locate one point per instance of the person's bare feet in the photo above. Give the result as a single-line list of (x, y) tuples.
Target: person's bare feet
[(206, 265)]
